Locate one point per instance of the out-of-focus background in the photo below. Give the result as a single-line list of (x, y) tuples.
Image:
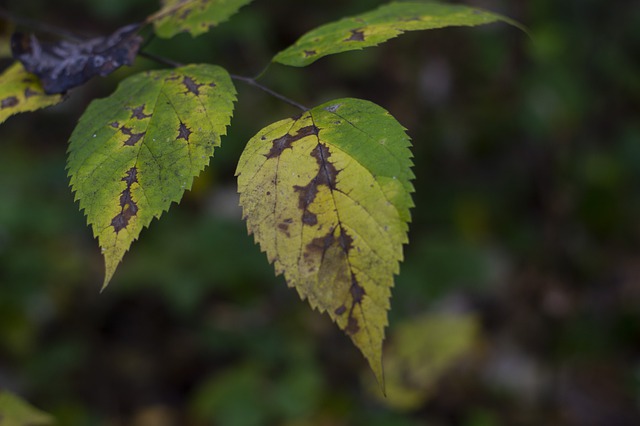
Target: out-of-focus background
[(519, 299)]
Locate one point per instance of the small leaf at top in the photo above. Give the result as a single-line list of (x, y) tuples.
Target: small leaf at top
[(17, 412), (135, 152), (374, 27), (21, 91), (193, 16), (327, 197), (64, 65)]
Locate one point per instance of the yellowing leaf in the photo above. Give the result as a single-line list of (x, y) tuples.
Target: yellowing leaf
[(327, 196), (16, 412), (377, 26), (193, 16), (21, 91), (420, 351), (137, 151)]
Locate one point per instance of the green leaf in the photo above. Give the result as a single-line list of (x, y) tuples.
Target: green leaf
[(137, 151), (16, 412), (193, 16), (374, 27), (21, 91), (327, 197)]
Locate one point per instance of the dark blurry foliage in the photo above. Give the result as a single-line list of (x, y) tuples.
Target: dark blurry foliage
[(527, 159)]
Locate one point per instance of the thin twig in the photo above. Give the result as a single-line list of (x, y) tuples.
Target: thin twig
[(160, 59), (283, 98)]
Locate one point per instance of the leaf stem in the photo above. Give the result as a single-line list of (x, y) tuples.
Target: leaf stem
[(160, 59), (253, 82)]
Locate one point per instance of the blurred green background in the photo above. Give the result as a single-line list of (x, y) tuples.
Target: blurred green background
[(519, 299)]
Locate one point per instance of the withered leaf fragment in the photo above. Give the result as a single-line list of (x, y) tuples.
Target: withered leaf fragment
[(64, 65)]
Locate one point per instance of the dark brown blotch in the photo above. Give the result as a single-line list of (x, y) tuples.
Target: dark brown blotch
[(28, 92), (134, 138), (191, 85), (319, 245), (308, 53), (356, 290), (309, 218), (356, 35), (128, 207), (341, 310), (114, 124), (138, 113), (327, 175), (184, 132), (352, 326), (8, 102), (285, 141)]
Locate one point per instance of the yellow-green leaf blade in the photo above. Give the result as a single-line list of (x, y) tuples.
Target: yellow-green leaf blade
[(377, 26), (193, 16), (137, 151), (21, 91), (327, 197), (17, 412)]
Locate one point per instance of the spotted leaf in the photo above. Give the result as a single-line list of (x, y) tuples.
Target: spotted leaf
[(380, 25), (327, 197), (21, 91), (137, 151), (193, 16)]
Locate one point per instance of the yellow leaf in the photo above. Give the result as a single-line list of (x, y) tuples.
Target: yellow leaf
[(21, 91), (327, 196)]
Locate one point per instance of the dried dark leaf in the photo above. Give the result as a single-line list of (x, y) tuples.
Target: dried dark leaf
[(64, 65)]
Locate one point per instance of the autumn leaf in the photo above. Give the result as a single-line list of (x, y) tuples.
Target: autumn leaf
[(193, 16), (21, 91), (327, 197), (64, 65), (137, 151), (377, 26), (420, 351)]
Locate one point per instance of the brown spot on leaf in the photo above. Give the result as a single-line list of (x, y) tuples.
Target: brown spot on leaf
[(352, 326), (345, 240), (308, 53), (320, 244), (128, 207), (341, 310), (285, 141), (284, 226), (356, 290), (134, 138), (184, 132), (327, 175), (115, 124), (309, 218), (28, 92), (356, 35), (138, 112), (8, 102), (191, 85)]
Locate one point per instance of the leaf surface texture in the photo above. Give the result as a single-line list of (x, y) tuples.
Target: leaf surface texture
[(327, 197), (193, 16), (135, 152), (21, 91), (377, 26)]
